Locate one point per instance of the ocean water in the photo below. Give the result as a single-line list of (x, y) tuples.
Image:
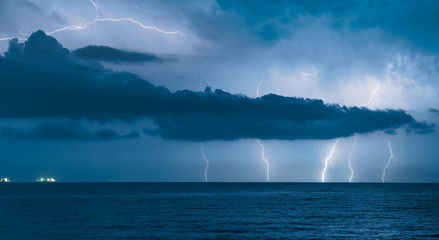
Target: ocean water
[(218, 211)]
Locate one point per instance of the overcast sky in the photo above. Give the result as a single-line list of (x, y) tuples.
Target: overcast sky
[(136, 90)]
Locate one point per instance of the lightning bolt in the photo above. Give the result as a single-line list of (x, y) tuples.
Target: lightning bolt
[(148, 11), (265, 160), (96, 9), (10, 38), (350, 157), (259, 86), (207, 162), (310, 157), (388, 161), (259, 141), (388, 142), (309, 74), (328, 159), (98, 19), (372, 95)]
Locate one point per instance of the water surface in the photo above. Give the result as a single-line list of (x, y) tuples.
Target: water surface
[(218, 211)]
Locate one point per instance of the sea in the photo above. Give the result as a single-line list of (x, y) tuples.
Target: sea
[(219, 211)]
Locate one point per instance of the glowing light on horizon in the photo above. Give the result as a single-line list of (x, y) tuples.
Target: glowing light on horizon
[(328, 159), (207, 162), (265, 160), (350, 157), (388, 161)]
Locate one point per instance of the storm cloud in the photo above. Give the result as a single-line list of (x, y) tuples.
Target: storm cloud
[(433, 110), (41, 79), (113, 55), (64, 130), (272, 21)]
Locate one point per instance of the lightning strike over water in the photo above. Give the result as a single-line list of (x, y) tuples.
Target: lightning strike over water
[(207, 162), (388, 162), (259, 142), (98, 19), (265, 160), (350, 157), (328, 159), (372, 96)]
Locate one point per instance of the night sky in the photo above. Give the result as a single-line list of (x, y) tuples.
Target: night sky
[(280, 91)]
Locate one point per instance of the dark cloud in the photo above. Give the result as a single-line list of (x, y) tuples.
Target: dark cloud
[(412, 21), (421, 127), (39, 47), (225, 25), (268, 21), (41, 79), (64, 130), (275, 117), (433, 110), (108, 54), (390, 131)]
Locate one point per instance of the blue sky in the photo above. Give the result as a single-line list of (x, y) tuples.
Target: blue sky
[(130, 90)]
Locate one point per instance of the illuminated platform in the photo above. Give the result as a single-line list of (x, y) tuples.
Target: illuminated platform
[(5, 180), (45, 180)]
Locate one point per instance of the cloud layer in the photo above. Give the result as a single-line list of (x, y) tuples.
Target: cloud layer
[(41, 79), (271, 21), (108, 54), (64, 130)]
